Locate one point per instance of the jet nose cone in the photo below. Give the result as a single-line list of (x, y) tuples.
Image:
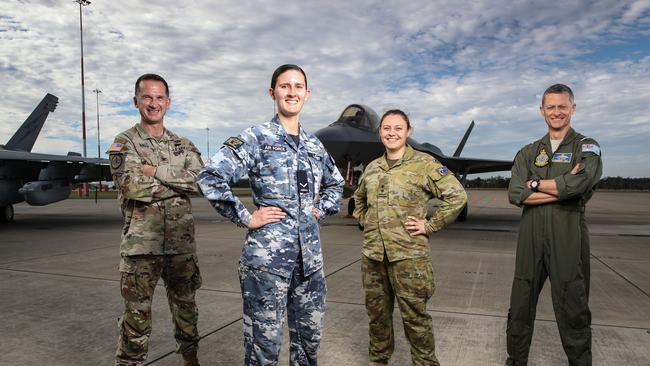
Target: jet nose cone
[(333, 134)]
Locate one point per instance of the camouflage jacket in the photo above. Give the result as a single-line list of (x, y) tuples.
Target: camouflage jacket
[(157, 210), (273, 162), (387, 195)]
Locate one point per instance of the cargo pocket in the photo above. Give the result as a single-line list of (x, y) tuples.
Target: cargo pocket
[(128, 282), (196, 280), (575, 304), (520, 303)]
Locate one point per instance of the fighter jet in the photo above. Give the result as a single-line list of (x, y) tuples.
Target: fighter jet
[(41, 179), (353, 141)]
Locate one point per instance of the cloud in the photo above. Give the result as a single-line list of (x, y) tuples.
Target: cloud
[(444, 62)]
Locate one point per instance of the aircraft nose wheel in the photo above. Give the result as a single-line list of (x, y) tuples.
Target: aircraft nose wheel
[(463, 214), (350, 206), (7, 213)]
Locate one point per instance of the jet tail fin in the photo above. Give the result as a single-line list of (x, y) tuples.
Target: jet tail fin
[(464, 140), (26, 135)]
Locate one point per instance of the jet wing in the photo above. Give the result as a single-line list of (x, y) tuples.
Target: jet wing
[(474, 166), (70, 167)]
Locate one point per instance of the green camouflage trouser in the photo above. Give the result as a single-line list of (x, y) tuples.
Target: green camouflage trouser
[(411, 282), (140, 274)]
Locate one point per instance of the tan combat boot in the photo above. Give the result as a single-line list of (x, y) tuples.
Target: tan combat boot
[(190, 357)]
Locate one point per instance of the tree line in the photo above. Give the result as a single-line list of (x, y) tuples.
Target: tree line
[(605, 183)]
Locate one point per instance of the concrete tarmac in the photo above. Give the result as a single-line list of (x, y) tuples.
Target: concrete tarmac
[(60, 296)]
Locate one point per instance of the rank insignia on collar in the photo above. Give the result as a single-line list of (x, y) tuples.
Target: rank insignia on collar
[(234, 142), (542, 158)]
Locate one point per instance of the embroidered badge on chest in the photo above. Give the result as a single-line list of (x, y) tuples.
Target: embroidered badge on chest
[(542, 158), (276, 147), (562, 157)]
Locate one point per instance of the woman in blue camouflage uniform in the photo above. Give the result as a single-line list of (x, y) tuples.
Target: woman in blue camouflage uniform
[(295, 184), (391, 204)]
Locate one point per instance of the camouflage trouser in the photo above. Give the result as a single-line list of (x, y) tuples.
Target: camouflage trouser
[(266, 297), (140, 274), (411, 282)]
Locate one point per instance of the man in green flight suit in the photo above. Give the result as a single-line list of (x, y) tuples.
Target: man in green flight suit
[(552, 179), (155, 171)]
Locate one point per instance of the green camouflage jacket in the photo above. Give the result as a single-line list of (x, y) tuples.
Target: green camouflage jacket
[(157, 210), (387, 195)]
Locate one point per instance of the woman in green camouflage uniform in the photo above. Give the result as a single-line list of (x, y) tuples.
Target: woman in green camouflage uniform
[(391, 205)]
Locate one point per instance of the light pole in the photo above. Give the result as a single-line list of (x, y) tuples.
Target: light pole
[(83, 91), (207, 131), (99, 154), (97, 91)]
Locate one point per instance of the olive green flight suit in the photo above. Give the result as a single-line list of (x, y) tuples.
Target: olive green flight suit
[(553, 242)]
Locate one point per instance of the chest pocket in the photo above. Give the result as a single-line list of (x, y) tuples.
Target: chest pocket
[(315, 172), (407, 188), (178, 155), (275, 174)]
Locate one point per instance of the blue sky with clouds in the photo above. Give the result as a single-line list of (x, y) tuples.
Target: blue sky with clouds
[(444, 62)]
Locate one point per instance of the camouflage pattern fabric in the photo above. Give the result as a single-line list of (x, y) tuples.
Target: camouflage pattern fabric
[(266, 296), (287, 254), (271, 160), (387, 195), (140, 274), (157, 211), (158, 235), (411, 281)]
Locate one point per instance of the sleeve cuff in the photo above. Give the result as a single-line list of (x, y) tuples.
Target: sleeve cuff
[(246, 218), (525, 193), (560, 184)]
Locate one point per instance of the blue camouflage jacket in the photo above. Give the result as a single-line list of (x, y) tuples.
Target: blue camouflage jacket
[(271, 159)]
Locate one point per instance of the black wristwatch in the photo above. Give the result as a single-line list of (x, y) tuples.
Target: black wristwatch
[(534, 185)]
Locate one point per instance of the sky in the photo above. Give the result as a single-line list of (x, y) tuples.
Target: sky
[(445, 63)]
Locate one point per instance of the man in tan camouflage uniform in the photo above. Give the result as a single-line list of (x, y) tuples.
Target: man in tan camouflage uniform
[(391, 203), (155, 171)]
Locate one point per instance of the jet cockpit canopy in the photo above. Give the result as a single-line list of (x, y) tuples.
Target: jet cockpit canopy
[(360, 116)]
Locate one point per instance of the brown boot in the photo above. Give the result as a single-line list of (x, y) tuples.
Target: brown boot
[(190, 357)]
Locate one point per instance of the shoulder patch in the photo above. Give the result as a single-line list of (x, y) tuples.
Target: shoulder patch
[(234, 142), (116, 161), (592, 148), (443, 170), (116, 147)]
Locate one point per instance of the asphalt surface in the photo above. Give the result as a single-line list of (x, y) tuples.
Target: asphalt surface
[(60, 298)]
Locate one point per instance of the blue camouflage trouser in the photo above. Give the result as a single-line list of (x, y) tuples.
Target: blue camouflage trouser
[(266, 297)]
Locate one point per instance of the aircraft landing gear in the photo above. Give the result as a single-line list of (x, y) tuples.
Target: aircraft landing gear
[(463, 214), (7, 213), (350, 206)]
